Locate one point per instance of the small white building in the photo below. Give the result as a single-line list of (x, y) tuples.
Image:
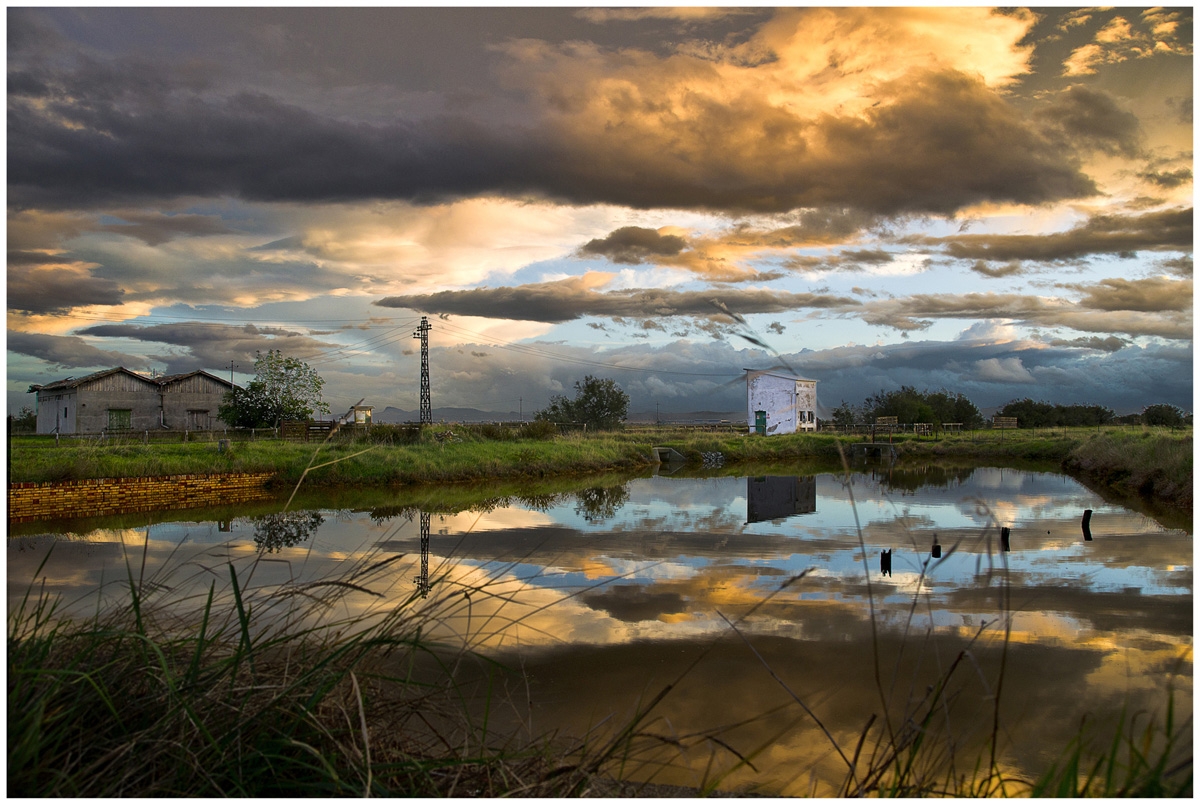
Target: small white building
[(780, 403)]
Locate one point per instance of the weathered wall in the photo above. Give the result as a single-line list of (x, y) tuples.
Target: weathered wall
[(195, 393), (104, 496), (776, 396), (57, 409), (790, 403)]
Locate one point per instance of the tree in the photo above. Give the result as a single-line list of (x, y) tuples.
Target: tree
[(844, 415), (25, 420), (599, 404), (1162, 414), (1032, 414), (283, 388)]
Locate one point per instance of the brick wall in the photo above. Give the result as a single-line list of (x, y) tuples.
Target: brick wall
[(104, 496)]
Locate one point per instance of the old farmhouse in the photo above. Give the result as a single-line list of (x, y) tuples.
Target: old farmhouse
[(121, 400), (779, 403)]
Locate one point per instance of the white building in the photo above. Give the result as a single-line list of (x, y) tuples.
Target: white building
[(780, 403)]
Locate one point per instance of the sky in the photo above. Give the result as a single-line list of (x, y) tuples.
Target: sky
[(992, 202)]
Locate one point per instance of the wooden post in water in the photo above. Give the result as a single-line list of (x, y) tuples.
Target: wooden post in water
[(1087, 529), (1004, 534)]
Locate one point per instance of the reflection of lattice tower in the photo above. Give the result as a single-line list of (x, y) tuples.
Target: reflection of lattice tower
[(423, 579), (426, 405)]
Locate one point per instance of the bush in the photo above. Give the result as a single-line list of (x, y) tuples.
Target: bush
[(539, 429)]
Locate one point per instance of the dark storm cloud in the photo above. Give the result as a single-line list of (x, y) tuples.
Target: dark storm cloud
[(157, 228), (57, 289), (634, 245), (1168, 230), (1093, 120), (214, 345), (68, 350), (83, 132), (573, 299)]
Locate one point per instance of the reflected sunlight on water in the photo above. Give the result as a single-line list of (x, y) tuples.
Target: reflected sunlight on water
[(604, 596)]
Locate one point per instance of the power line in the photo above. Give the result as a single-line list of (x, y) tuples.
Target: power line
[(541, 352)]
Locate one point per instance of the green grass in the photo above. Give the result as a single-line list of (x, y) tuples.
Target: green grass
[(1155, 463)]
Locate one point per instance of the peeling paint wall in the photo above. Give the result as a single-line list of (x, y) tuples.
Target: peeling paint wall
[(790, 403)]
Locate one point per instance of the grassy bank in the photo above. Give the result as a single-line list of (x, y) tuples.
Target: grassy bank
[(1149, 462)]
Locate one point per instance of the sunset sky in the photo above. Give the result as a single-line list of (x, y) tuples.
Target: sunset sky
[(996, 203)]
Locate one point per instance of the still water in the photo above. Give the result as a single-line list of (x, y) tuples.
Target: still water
[(786, 612)]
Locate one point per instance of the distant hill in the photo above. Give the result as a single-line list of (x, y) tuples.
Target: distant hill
[(391, 414)]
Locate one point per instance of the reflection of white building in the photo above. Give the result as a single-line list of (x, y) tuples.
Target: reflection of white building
[(771, 497), (779, 403)]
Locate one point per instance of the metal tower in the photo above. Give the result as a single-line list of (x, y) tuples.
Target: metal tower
[(426, 405)]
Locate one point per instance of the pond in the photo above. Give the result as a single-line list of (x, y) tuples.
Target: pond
[(784, 615)]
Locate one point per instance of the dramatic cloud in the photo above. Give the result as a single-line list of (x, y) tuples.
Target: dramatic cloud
[(57, 289), (680, 131), (1154, 294), (574, 298), (70, 351), (825, 185), (1168, 230), (155, 228), (1093, 120), (635, 244), (1149, 307), (214, 345)]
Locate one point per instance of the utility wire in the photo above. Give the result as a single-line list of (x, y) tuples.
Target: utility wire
[(528, 349)]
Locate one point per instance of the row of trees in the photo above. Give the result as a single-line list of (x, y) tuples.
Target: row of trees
[(1032, 414), (909, 405)]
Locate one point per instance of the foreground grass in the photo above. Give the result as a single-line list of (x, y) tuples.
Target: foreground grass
[(241, 698), (1150, 462)]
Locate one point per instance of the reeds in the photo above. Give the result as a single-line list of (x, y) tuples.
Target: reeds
[(245, 692)]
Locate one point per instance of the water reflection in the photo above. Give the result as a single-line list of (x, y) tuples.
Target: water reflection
[(771, 497), (274, 532), (423, 579), (604, 593)]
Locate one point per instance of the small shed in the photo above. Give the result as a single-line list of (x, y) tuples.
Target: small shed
[(780, 403)]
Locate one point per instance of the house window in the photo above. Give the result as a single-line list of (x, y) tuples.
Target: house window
[(120, 418)]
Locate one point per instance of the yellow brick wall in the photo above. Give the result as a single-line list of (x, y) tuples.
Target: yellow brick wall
[(103, 496)]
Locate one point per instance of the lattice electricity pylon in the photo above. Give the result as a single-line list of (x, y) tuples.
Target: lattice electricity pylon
[(423, 579), (426, 404)]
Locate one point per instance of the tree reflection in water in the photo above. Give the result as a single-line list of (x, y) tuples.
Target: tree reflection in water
[(274, 532), (600, 503)]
